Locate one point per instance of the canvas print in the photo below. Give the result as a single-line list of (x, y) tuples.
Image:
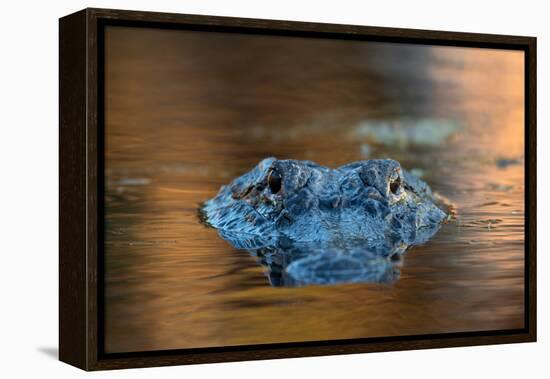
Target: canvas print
[(265, 189)]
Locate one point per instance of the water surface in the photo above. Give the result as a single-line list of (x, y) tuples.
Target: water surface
[(186, 112)]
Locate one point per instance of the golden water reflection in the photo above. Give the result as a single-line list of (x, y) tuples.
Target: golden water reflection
[(188, 111)]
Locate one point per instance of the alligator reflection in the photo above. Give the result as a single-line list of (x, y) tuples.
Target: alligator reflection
[(299, 265), (296, 264)]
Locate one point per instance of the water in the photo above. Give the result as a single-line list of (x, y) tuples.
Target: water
[(186, 112)]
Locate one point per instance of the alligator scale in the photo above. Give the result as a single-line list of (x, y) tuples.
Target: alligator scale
[(315, 225)]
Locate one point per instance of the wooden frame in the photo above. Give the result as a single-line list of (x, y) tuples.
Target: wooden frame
[(81, 183)]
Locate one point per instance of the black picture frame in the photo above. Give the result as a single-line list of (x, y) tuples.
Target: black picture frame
[(81, 60)]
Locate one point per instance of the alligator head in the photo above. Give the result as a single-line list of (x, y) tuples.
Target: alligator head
[(318, 218)]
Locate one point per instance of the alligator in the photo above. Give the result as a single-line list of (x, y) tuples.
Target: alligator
[(311, 224)]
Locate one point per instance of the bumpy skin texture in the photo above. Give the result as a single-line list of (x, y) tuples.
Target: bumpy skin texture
[(326, 225)]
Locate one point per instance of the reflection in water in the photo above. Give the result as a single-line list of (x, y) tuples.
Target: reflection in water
[(188, 111), (298, 264)]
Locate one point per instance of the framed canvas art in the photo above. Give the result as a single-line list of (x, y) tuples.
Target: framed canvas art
[(239, 189)]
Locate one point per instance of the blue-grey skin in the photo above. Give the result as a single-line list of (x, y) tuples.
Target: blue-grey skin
[(315, 225)]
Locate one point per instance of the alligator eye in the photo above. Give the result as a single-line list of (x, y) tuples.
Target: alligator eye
[(274, 181), (395, 184)]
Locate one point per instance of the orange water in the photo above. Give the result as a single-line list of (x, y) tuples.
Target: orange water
[(187, 111)]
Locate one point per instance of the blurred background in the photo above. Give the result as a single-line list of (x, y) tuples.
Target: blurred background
[(188, 111)]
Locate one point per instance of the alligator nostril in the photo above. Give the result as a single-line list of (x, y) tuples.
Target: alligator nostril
[(394, 185), (274, 180)]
